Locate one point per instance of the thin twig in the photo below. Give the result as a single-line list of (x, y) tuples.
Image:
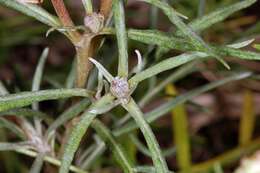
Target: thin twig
[(105, 8), (158, 159), (65, 18), (62, 12)]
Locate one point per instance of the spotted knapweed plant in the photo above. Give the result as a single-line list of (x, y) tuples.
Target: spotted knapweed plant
[(41, 139)]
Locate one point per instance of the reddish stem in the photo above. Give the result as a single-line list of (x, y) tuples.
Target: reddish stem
[(105, 8), (65, 18), (62, 12)]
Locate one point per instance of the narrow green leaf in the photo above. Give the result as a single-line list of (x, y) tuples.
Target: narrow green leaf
[(116, 148), (201, 7), (131, 149), (218, 15), (10, 160), (146, 169), (153, 16), (165, 65), (153, 37), (24, 112), (88, 6), (26, 98), (186, 30), (84, 156), (12, 127), (247, 120), (257, 46), (100, 85), (166, 107), (98, 150), (78, 132), (140, 146), (37, 78), (218, 168), (3, 90), (241, 44), (49, 159), (158, 160), (173, 16), (162, 39), (155, 114), (53, 82), (74, 140), (231, 52), (180, 73), (34, 11), (181, 132), (5, 146), (102, 70), (119, 19), (38, 163), (68, 114), (160, 51), (166, 153)]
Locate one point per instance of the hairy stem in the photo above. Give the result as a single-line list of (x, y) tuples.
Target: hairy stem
[(119, 18), (79, 129)]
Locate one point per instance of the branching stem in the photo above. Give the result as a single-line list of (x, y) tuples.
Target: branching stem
[(65, 18)]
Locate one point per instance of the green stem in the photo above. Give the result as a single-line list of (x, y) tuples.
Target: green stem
[(248, 118), (49, 159), (22, 99), (119, 18), (80, 129), (161, 39), (38, 163), (165, 108), (94, 155), (142, 148), (177, 75), (117, 149), (158, 160), (165, 65)]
